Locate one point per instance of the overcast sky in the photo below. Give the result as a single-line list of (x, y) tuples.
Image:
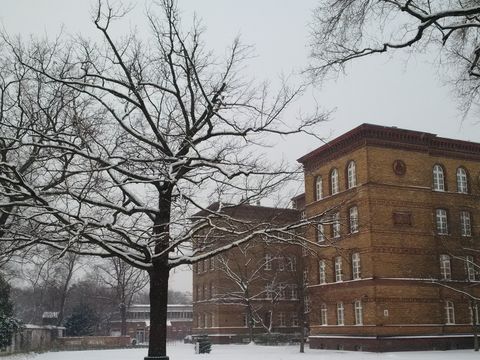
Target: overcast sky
[(406, 92)]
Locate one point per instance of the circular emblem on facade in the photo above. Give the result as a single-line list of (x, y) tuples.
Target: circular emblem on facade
[(399, 167)]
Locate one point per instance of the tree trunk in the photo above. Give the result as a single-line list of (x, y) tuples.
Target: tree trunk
[(157, 348)]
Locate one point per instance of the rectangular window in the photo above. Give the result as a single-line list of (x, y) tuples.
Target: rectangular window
[(292, 263), (445, 270), (442, 221), (294, 319), (268, 262), (306, 301), (340, 314), (336, 225), (281, 319), (338, 269), (353, 219), (305, 277), (320, 233), (269, 291), (293, 292), (358, 312), (356, 266), (212, 263), (281, 264), (470, 268), (322, 272), (465, 224), (281, 291), (323, 315)]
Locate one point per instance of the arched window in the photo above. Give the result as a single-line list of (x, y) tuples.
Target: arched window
[(462, 181), (445, 268), (449, 312), (334, 182), (358, 312), (438, 178), (318, 188), (351, 175), (323, 314)]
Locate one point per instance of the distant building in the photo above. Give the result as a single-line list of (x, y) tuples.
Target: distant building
[(179, 322), (402, 235), (268, 270)]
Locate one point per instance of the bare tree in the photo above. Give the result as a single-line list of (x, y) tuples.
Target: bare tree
[(346, 30), (126, 281), (48, 281), (151, 127)]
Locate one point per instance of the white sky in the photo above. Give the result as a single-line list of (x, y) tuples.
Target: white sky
[(380, 90)]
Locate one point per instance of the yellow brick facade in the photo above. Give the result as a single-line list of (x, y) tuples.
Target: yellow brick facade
[(400, 287)]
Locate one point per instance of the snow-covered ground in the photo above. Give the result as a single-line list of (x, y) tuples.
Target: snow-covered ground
[(247, 352)]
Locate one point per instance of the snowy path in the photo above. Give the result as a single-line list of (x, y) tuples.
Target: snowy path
[(247, 352)]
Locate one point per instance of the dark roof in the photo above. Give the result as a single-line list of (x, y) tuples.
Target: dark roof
[(254, 212), (368, 134)]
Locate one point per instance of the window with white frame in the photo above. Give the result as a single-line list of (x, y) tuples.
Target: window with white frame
[(474, 313), (268, 262), (438, 178), (358, 312), (320, 233), (199, 320), (465, 223), (205, 320), (318, 188), (212, 320), (281, 264), (336, 225), (470, 265), (282, 291), (449, 312), (340, 314), (281, 319), (323, 314), (445, 269), (205, 264), (292, 263), (338, 269), (305, 277), (462, 181), (295, 319), (322, 272), (212, 263), (441, 221), (356, 266), (306, 301), (269, 291), (245, 320), (293, 292), (353, 219), (351, 175), (334, 182)]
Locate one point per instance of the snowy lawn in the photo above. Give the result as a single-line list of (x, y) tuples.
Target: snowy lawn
[(247, 352)]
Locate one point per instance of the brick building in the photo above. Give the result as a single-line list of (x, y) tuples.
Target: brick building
[(253, 288), (179, 322), (402, 240)]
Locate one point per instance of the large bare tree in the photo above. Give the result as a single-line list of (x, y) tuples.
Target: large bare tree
[(136, 134), (448, 30)]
